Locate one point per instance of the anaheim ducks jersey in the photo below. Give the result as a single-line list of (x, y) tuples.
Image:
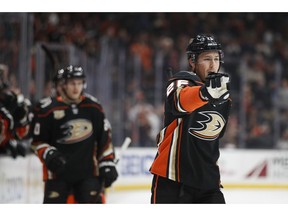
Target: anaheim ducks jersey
[(79, 131), (14, 123), (188, 145), (6, 126)]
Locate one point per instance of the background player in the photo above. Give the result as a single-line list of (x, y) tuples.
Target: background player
[(14, 120), (72, 137)]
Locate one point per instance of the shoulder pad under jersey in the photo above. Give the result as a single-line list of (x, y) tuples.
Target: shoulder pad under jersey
[(45, 104), (182, 78)]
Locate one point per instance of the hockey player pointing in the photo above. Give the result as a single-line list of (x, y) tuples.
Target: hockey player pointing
[(72, 138), (196, 113)]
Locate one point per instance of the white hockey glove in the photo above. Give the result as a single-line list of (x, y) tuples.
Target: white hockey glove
[(216, 88)]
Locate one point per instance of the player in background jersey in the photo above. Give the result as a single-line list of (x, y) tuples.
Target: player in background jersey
[(197, 108), (14, 119), (72, 138)]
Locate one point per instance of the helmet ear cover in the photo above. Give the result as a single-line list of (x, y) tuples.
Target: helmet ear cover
[(203, 43)]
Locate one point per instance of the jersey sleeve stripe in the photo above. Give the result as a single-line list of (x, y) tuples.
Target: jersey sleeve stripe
[(167, 160), (185, 99)]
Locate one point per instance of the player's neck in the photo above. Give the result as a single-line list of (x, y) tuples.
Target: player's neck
[(69, 100)]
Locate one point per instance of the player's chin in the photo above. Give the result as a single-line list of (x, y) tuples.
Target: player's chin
[(75, 96)]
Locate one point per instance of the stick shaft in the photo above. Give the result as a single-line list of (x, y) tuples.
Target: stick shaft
[(123, 147), (126, 143)]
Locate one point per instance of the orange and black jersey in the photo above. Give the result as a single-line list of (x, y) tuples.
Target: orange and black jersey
[(79, 131), (9, 129), (6, 126), (188, 145)]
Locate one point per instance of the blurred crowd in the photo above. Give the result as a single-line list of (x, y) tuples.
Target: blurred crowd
[(256, 56)]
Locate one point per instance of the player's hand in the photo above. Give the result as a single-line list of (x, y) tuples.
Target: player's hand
[(108, 172), (216, 88), (54, 160), (12, 148)]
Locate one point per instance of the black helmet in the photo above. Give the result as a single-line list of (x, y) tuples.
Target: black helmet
[(202, 43), (73, 72), (58, 76), (9, 100)]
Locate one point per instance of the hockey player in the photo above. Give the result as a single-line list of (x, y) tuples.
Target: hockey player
[(14, 120), (72, 138), (197, 107), (57, 84)]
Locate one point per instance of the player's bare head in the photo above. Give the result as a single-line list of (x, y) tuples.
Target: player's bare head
[(200, 44)]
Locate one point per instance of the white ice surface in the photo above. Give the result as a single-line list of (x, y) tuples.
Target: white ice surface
[(232, 196), (240, 202)]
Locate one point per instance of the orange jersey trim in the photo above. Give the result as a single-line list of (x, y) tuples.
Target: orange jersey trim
[(155, 190), (167, 161), (190, 98)]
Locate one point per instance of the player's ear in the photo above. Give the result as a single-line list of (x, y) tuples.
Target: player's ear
[(191, 64)]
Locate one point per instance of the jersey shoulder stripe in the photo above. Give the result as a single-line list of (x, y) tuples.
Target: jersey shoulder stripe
[(182, 79), (91, 102), (166, 163), (50, 104)]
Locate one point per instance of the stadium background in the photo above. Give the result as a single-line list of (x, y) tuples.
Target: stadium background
[(126, 57)]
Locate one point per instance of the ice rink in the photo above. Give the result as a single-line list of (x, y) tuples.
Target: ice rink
[(232, 196), (242, 202)]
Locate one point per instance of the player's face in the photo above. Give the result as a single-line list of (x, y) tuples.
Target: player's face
[(73, 88), (207, 62)]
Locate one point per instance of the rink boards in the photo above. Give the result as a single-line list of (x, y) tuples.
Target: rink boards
[(21, 179)]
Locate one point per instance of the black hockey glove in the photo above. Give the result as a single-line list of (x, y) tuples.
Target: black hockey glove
[(108, 172), (54, 160), (12, 148), (15, 148), (216, 88)]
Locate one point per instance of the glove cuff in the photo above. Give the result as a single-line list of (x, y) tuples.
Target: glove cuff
[(106, 163), (203, 93), (50, 148)]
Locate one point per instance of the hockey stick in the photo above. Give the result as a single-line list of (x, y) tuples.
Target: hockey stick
[(49, 55), (124, 146), (53, 60)]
